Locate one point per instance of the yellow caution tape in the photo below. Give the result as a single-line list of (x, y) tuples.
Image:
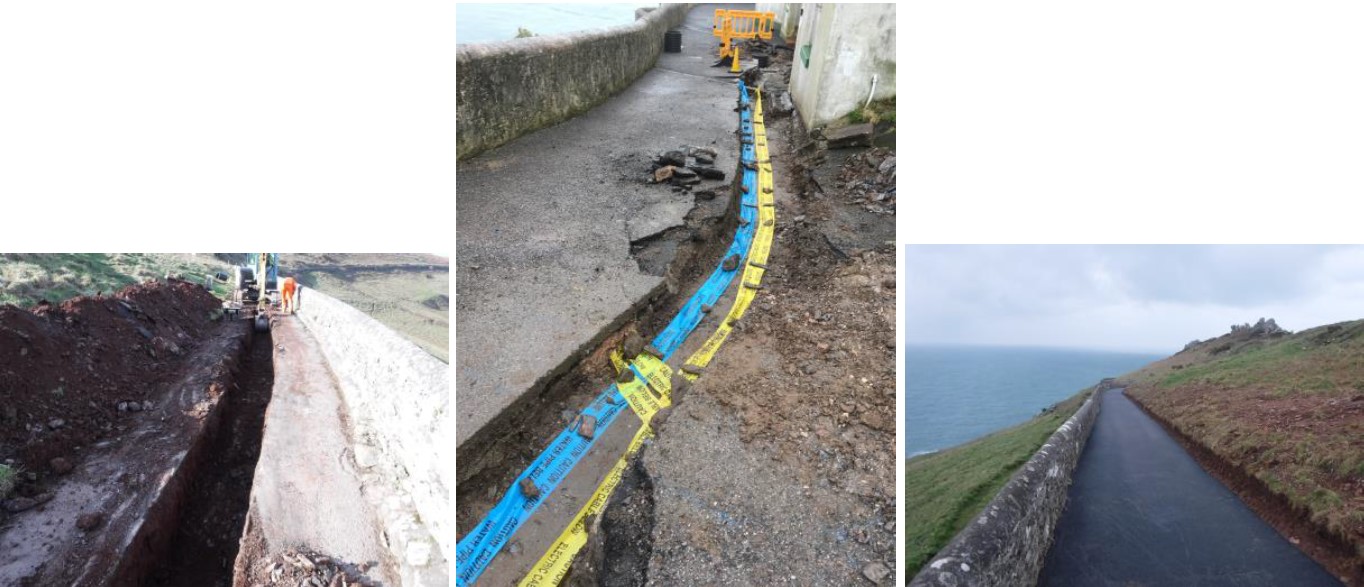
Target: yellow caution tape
[(757, 253), (553, 566), (551, 569)]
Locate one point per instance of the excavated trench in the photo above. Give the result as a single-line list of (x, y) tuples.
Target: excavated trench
[(205, 539), (490, 462)]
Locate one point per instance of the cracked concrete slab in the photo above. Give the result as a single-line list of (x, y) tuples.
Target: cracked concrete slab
[(545, 223)]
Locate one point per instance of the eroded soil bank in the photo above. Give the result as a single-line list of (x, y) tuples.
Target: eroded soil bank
[(134, 420)]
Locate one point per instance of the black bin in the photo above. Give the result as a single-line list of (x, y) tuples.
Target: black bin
[(672, 41)]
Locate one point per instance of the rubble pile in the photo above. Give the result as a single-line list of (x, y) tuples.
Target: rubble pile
[(868, 180), (686, 167), (292, 567)]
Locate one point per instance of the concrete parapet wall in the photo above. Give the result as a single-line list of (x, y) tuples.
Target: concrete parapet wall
[(1007, 543), (509, 88), (397, 398)]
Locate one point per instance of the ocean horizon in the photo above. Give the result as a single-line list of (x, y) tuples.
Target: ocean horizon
[(957, 393)]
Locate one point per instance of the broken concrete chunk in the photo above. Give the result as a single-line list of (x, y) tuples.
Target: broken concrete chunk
[(633, 345), (663, 173), (587, 428), (88, 522), (529, 489), (708, 172), (853, 135), (684, 172), (674, 158), (704, 151)]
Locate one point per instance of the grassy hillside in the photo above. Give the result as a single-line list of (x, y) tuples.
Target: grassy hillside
[(1287, 409), (26, 278), (409, 293), (945, 490)]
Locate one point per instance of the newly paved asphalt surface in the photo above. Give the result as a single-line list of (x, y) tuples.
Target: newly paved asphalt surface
[(1142, 512)]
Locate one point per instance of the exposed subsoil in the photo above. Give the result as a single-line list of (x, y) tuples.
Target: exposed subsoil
[(79, 372), (489, 463), (1294, 524), (808, 379), (206, 541)]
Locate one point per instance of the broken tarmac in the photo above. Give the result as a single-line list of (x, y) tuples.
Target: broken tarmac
[(546, 224)]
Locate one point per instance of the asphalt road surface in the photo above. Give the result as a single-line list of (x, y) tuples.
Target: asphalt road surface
[(1142, 512)]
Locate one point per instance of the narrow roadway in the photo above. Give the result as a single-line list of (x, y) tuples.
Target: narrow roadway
[(1141, 511)]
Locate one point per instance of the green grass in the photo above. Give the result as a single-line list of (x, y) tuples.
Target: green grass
[(1280, 409), (945, 490), (9, 478), (26, 278)]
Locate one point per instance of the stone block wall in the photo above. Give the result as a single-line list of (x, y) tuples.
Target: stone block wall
[(1008, 542), (509, 88), (397, 399)]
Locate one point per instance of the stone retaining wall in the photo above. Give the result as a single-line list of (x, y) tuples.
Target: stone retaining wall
[(1007, 544), (397, 398), (509, 88)]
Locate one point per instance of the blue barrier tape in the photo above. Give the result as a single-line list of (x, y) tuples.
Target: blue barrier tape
[(476, 551)]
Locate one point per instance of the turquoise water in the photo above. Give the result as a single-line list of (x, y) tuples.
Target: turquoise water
[(954, 394), (482, 23)]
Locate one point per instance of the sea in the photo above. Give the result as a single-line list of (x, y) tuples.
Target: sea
[(483, 23), (954, 394)]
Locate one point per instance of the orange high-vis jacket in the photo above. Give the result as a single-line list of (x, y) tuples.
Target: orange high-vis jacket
[(289, 286)]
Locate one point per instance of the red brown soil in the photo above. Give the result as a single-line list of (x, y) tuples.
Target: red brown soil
[(75, 362), (1335, 552), (821, 336), (206, 540)]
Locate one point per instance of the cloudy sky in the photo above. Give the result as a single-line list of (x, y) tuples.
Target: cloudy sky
[(1138, 298)]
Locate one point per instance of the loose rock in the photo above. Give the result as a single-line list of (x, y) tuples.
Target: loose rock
[(88, 522), (875, 572), (60, 466)]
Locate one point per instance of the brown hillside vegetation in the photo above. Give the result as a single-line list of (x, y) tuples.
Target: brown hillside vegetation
[(1279, 418)]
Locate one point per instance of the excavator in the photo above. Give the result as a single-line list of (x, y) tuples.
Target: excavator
[(255, 289)]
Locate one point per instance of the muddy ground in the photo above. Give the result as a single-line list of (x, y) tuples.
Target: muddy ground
[(126, 393), (71, 373), (779, 469)]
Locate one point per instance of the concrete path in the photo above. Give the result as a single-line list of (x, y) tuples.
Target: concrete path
[(307, 492), (1142, 512), (546, 222)]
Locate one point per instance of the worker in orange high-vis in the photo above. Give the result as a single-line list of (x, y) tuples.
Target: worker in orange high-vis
[(289, 288)]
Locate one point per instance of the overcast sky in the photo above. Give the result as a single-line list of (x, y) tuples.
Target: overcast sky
[(1137, 298)]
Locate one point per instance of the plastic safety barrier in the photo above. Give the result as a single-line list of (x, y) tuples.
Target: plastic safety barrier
[(478, 548), (553, 566)]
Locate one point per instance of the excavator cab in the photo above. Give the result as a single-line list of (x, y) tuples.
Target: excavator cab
[(256, 285)]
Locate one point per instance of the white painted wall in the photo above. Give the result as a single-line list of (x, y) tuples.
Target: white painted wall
[(849, 43), (787, 14)]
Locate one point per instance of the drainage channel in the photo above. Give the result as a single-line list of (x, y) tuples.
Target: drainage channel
[(205, 542)]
